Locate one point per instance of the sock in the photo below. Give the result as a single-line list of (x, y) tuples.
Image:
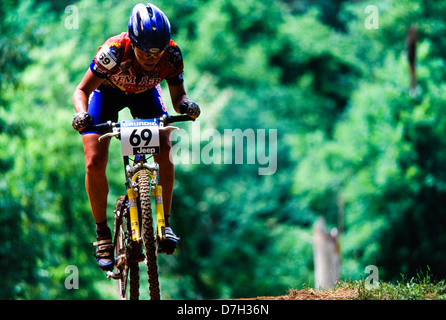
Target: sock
[(102, 229)]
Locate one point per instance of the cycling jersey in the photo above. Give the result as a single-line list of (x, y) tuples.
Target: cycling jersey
[(114, 63)]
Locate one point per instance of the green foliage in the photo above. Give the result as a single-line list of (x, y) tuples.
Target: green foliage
[(423, 286), (350, 140), (420, 287)]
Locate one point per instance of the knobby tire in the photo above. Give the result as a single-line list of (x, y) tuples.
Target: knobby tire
[(134, 280), (121, 250), (148, 234)]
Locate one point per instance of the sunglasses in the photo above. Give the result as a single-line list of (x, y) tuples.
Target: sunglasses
[(148, 55)]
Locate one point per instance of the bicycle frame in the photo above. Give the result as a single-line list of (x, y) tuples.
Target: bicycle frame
[(134, 225)]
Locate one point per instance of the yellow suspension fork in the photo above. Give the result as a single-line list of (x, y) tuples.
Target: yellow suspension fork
[(134, 219), (161, 223)]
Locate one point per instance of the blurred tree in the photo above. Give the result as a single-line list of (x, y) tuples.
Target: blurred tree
[(386, 153)]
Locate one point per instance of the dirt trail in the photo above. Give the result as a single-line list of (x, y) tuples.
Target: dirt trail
[(341, 293)]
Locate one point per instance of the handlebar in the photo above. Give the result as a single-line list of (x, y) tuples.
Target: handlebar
[(180, 118), (109, 125)]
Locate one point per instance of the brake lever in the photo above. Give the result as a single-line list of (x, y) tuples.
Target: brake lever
[(116, 132), (169, 128)]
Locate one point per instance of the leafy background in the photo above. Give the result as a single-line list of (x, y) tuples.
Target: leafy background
[(353, 145)]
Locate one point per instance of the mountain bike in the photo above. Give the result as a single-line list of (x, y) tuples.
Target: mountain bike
[(136, 234)]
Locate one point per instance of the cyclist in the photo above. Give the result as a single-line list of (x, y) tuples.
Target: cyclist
[(126, 72)]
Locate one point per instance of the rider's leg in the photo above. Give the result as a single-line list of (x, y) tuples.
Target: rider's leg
[(96, 157), (167, 172), (104, 105), (167, 177)]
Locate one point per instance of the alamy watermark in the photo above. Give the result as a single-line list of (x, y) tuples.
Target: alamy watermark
[(233, 146), (372, 20), (72, 20), (372, 280), (72, 280)]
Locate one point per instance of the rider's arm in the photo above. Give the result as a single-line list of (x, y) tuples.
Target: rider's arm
[(181, 103), (178, 95), (88, 84)]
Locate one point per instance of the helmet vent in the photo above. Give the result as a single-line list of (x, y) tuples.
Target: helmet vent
[(141, 25), (149, 9)]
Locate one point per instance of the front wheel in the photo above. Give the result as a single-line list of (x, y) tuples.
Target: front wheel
[(148, 234), (121, 248), (125, 263)]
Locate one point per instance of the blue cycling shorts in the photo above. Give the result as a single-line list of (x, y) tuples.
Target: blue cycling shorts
[(105, 104)]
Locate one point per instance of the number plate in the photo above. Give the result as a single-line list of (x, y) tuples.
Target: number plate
[(140, 136)]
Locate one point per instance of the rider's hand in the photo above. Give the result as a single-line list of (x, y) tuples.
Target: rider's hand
[(81, 120), (190, 108)]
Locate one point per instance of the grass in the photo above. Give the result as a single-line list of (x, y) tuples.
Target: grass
[(421, 287)]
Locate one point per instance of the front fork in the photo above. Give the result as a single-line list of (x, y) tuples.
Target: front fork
[(134, 219), (159, 208), (157, 192)]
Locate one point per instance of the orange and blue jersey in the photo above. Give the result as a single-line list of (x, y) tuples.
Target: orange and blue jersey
[(114, 63)]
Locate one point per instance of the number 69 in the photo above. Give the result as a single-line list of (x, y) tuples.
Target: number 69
[(145, 135)]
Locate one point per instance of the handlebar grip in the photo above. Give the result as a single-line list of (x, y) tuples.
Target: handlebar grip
[(100, 127), (184, 117)]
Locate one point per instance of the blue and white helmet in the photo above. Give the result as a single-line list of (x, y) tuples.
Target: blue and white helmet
[(149, 28)]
